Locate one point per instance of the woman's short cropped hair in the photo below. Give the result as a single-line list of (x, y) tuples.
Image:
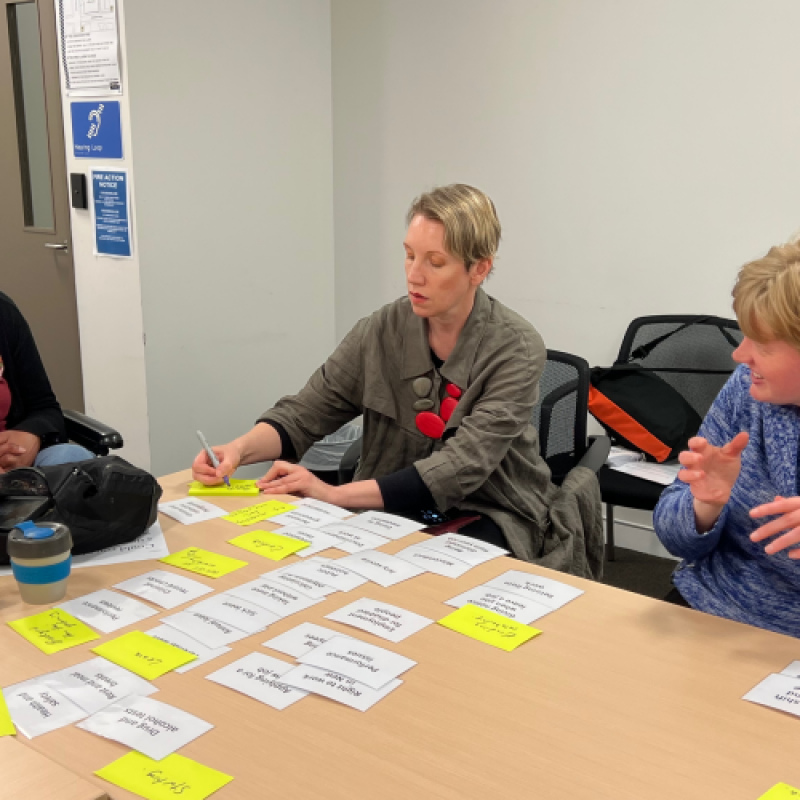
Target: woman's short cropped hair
[(766, 297), (471, 227)]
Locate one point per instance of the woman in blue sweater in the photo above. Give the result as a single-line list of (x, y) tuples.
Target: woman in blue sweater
[(734, 514)]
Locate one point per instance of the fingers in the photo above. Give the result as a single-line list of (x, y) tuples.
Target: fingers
[(788, 539), (277, 470), (691, 475), (780, 505), (736, 445), (203, 471)]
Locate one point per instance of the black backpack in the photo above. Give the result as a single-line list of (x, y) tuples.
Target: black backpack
[(103, 501)]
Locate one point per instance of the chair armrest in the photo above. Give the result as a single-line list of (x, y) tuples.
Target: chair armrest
[(596, 455), (349, 462), (91, 433)]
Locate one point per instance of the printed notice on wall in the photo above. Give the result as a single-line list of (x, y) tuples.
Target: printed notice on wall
[(111, 213), (89, 46)]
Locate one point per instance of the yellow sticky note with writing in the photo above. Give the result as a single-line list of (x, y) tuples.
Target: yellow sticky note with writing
[(145, 655), (780, 791), (259, 512), (269, 544), (238, 488), (6, 725), (53, 630), (204, 562), (173, 776), (488, 627)]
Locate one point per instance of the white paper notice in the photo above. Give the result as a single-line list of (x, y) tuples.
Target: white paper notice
[(433, 561), (365, 663), (317, 540), (149, 726), (382, 619), (300, 640), (338, 687), (235, 611), (280, 600), (386, 525), (777, 691), (37, 709), (553, 594), (106, 610), (330, 573), (259, 676), (513, 606), (166, 589), (298, 577), (150, 545), (380, 567), (793, 670), (305, 516), (211, 632), (191, 510), (337, 512), (97, 683), (182, 640), (351, 539), (464, 548)]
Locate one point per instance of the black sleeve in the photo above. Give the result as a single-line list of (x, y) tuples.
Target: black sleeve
[(34, 408), (288, 453), (404, 490)]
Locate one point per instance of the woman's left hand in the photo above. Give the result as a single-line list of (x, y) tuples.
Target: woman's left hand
[(788, 524), (286, 478)]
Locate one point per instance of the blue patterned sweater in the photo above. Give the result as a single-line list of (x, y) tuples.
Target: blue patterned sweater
[(722, 571)]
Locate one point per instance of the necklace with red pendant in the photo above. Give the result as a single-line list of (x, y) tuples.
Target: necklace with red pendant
[(427, 422)]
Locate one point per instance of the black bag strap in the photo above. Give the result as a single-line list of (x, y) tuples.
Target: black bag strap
[(644, 350)]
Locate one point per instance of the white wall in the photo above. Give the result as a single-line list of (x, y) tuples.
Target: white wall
[(638, 152), (231, 120)]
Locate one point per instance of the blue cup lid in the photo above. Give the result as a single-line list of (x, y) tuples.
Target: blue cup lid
[(30, 530)]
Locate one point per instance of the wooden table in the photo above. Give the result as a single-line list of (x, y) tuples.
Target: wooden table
[(621, 697)]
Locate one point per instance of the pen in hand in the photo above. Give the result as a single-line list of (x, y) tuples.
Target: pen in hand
[(211, 457)]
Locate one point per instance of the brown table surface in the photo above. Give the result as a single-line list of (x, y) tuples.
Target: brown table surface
[(622, 696)]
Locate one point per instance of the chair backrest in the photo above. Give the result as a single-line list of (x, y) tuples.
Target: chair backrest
[(561, 413), (695, 360)]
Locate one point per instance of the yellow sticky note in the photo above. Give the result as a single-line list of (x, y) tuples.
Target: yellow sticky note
[(6, 725), (268, 544), (145, 655), (238, 488), (204, 562), (488, 627), (53, 630), (173, 776), (259, 512), (780, 791)]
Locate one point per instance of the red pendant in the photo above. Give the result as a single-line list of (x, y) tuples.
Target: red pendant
[(430, 424), (448, 406), (453, 390)]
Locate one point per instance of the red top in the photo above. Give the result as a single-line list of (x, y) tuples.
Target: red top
[(5, 398)]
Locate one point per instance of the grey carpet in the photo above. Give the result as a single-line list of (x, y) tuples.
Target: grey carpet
[(637, 572)]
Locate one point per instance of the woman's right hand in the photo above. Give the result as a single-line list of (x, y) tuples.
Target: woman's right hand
[(711, 473), (229, 458)]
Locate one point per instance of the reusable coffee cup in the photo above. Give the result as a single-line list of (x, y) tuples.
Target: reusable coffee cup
[(41, 557)]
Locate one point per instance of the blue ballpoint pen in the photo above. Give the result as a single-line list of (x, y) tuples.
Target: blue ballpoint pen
[(211, 457)]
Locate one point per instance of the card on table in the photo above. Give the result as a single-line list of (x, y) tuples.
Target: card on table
[(107, 611), (366, 663), (316, 539), (553, 594), (338, 687), (269, 544), (389, 526), (280, 600), (777, 691), (381, 619), (465, 548), (488, 627), (792, 669), (297, 576), (207, 630), (351, 539), (143, 654), (235, 611), (149, 726), (35, 709), (432, 561), (237, 488), (307, 516), (259, 676), (163, 588), (204, 562), (513, 606), (6, 724), (173, 776), (54, 630), (337, 512), (380, 567), (190, 511), (301, 639), (328, 571), (181, 640), (258, 513)]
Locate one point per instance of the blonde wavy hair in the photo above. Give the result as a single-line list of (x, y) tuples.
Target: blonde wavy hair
[(471, 226), (766, 296)]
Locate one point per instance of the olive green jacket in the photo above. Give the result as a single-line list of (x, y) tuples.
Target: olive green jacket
[(488, 457)]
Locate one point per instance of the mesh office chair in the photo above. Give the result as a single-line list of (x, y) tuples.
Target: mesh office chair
[(696, 361)]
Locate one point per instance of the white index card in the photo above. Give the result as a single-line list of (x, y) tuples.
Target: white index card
[(553, 594), (381, 619), (35, 709), (301, 639), (305, 516), (793, 670), (513, 606), (366, 663), (280, 600), (390, 526), (181, 640), (351, 539), (777, 691), (380, 567), (164, 588), (107, 611), (338, 687), (153, 728), (335, 512), (464, 548), (233, 610), (298, 577), (317, 540), (433, 561), (208, 630), (328, 572), (259, 676), (191, 510)]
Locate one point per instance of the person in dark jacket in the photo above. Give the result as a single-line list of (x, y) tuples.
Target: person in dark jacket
[(32, 431)]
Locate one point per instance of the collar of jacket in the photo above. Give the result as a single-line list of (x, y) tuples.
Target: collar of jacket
[(457, 368)]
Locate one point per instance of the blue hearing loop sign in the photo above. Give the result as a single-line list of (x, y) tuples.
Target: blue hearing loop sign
[(96, 129)]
